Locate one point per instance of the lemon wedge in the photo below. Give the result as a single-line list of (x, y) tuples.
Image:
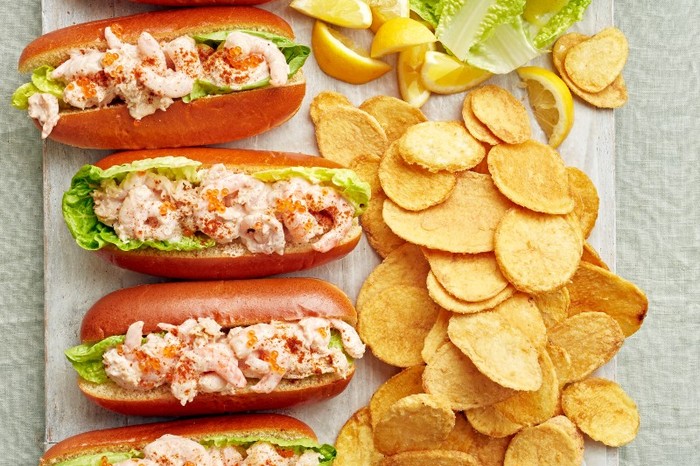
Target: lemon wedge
[(408, 69), (443, 74), (551, 102), (354, 14), (399, 34), (384, 10), (340, 58)]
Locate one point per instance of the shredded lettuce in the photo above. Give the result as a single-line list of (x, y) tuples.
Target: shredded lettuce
[(294, 53), (495, 35), (91, 234), (41, 83)]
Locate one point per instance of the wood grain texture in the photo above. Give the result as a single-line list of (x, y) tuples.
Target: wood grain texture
[(75, 279)]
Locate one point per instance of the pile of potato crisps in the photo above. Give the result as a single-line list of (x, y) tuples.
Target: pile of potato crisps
[(488, 295), (592, 66)]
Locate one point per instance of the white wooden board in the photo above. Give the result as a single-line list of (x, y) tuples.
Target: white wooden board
[(74, 279)]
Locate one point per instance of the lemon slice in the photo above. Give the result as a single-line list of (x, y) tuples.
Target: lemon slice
[(340, 58), (444, 74), (538, 12), (384, 10), (399, 34), (354, 14), (408, 73), (551, 102)]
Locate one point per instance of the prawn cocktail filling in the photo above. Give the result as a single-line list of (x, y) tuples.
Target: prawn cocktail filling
[(172, 203), (149, 76), (197, 356)]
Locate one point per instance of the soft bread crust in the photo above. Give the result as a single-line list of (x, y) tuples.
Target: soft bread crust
[(215, 263), (160, 402), (136, 437), (237, 115), (229, 303)]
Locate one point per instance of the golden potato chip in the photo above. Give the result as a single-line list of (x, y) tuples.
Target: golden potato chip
[(501, 113), (415, 422), (530, 408), (548, 444), (591, 256), (475, 127), (613, 96), (532, 175), (500, 351), (395, 322), (595, 63), (450, 373), (355, 442), (591, 339), (522, 313), (378, 233), (553, 305), (367, 168), (596, 289), (489, 451), (469, 277), (437, 335), (432, 458), (394, 115), (325, 100), (561, 362), (585, 196), (483, 166), (411, 186), (465, 222), (440, 295), (460, 438), (537, 252), (406, 265), (407, 382), (602, 410), (490, 421), (440, 145), (343, 133)]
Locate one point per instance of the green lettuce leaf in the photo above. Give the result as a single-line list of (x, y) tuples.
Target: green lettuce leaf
[(356, 191), (87, 358), (427, 10), (96, 459), (465, 23), (508, 48), (41, 83), (557, 25), (89, 233), (295, 55)]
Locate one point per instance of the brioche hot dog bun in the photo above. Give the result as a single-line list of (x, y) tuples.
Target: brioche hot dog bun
[(218, 262), (271, 427), (211, 119), (231, 304)]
